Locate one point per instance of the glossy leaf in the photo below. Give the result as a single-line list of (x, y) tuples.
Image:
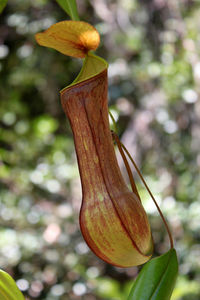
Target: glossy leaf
[(8, 288), (157, 278), (2, 5), (72, 38), (70, 7)]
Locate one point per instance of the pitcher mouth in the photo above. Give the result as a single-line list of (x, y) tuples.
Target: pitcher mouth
[(93, 66)]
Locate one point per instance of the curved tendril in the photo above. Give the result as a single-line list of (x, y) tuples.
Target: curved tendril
[(128, 169), (123, 149)]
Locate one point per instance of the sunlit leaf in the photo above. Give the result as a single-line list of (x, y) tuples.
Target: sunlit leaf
[(44, 125), (157, 278), (70, 7), (71, 38), (186, 287), (8, 288), (2, 5), (108, 288)]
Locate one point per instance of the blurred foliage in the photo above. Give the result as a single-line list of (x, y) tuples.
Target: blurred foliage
[(154, 86)]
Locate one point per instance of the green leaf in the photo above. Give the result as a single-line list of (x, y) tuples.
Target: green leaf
[(70, 7), (92, 66), (8, 288), (157, 278), (2, 4)]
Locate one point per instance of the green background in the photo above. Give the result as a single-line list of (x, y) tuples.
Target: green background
[(154, 84)]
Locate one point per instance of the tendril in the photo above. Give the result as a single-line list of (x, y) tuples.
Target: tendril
[(123, 149)]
